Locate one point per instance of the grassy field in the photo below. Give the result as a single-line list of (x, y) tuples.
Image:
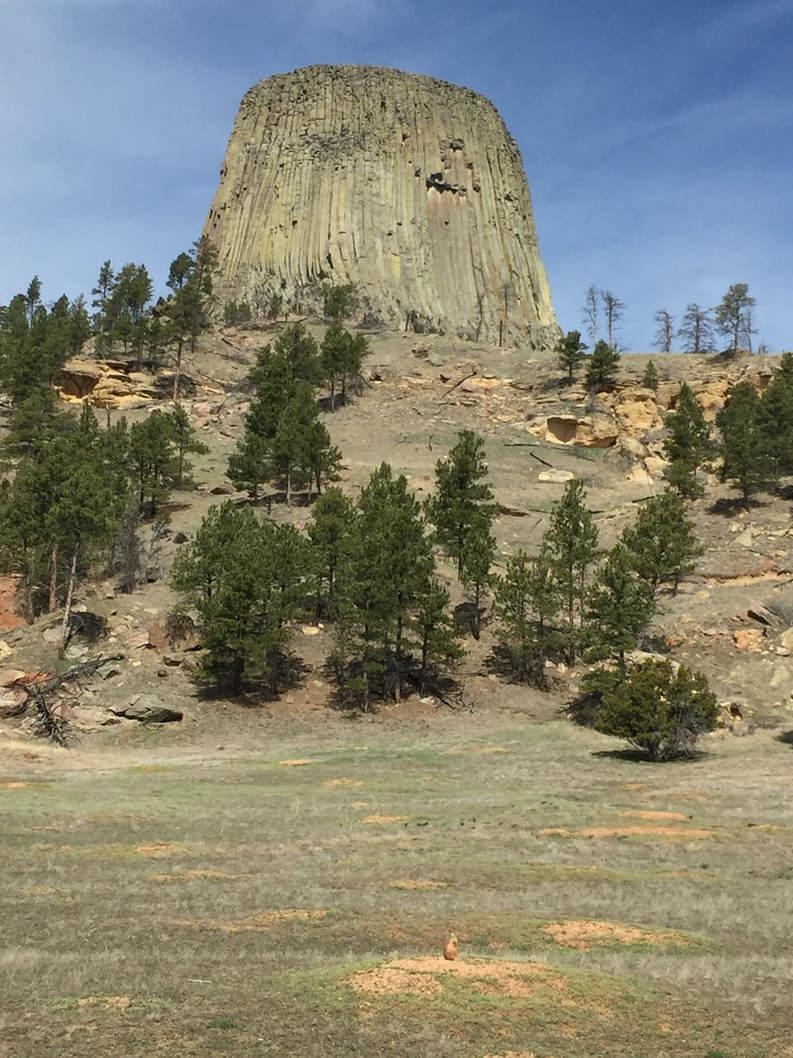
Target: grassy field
[(294, 900)]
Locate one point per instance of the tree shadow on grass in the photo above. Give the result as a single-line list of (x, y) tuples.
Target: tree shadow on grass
[(786, 738), (640, 756)]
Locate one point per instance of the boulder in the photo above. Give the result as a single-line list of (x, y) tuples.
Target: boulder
[(599, 430), (148, 710)]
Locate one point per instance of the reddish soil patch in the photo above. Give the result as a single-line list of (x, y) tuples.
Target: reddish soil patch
[(9, 600), (423, 977), (583, 934), (671, 817)]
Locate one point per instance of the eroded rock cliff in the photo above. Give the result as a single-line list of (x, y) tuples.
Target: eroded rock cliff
[(407, 187)]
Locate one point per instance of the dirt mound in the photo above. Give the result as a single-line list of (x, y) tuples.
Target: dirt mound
[(584, 933), (423, 977)]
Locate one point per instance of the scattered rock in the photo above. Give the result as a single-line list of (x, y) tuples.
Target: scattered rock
[(148, 710), (749, 639), (556, 477)]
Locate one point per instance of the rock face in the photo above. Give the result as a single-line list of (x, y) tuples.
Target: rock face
[(407, 187)]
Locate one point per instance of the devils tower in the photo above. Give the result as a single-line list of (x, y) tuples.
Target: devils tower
[(409, 188)]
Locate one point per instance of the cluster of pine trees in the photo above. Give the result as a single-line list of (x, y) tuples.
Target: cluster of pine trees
[(73, 492), (284, 438)]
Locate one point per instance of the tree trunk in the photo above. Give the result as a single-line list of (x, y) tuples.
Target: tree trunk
[(288, 485), (68, 608), (53, 598), (178, 372), (237, 670), (332, 392)]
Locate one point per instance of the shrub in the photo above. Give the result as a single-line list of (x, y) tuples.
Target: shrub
[(659, 710)]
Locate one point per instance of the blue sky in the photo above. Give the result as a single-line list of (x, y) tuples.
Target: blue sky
[(657, 137)]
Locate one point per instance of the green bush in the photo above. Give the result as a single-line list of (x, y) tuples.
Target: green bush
[(659, 710)]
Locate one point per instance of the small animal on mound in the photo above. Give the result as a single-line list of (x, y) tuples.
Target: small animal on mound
[(450, 947)]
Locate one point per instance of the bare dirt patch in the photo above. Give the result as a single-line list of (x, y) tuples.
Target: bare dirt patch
[(258, 923), (347, 784), (13, 785), (378, 820), (159, 848), (199, 874), (106, 1002), (583, 934), (671, 817), (423, 977), (417, 885), (664, 833), (295, 763)]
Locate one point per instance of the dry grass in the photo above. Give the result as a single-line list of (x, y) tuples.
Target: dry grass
[(205, 906)]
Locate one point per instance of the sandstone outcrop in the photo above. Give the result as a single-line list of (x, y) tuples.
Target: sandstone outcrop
[(409, 188)]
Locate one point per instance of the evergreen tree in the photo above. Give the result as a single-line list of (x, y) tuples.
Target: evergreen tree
[(436, 638), (321, 460), (479, 547), (185, 442), (744, 443), (191, 280), (247, 580), (601, 372), (339, 300), (570, 353), (101, 296), (389, 574), (776, 418), (463, 497), (696, 330), (251, 463), (620, 607), (660, 710), (572, 543), (687, 444), (289, 444), (330, 531), (734, 316), (152, 455), (300, 353), (650, 377), (334, 358), (662, 544), (526, 602)]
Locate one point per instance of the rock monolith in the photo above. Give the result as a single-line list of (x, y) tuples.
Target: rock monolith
[(409, 188)]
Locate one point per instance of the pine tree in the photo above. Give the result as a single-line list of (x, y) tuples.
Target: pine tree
[(662, 544), (572, 543), (696, 330), (477, 557), (247, 580), (776, 418), (152, 455), (333, 358), (620, 607), (744, 443), (650, 377), (462, 496), (330, 532), (570, 353), (734, 316), (436, 638), (601, 373), (687, 444), (289, 444), (251, 463), (526, 602), (186, 443), (321, 460)]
